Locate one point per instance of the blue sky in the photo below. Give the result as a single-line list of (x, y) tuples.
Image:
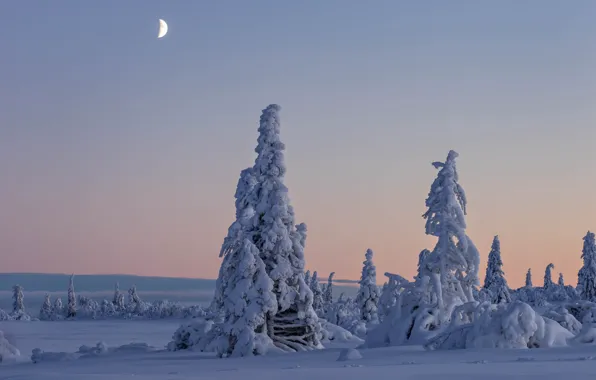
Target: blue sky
[(117, 146)]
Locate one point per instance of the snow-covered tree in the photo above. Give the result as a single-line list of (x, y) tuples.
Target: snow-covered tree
[(548, 280), (307, 277), (317, 293), (495, 281), (135, 304), (280, 242), (586, 277), (453, 264), (18, 303), (72, 300), (45, 313), (118, 300), (529, 278), (328, 295), (561, 281), (368, 292), (58, 307), (248, 300), (265, 218)]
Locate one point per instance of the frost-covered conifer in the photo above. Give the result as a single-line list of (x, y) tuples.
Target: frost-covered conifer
[(495, 281), (58, 307), (72, 300), (422, 257), (18, 303), (280, 242), (118, 300), (317, 293), (248, 301), (368, 292), (548, 281), (455, 259), (328, 296), (307, 278), (529, 278), (135, 304), (266, 218), (561, 281), (586, 277), (45, 313)]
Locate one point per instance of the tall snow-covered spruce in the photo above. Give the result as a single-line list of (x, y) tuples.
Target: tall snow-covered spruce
[(368, 292), (586, 277), (453, 264), (495, 281), (261, 287), (548, 278)]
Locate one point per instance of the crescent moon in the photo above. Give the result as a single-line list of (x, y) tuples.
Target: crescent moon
[(163, 28)]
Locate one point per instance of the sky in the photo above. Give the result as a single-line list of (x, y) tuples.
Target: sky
[(120, 153)]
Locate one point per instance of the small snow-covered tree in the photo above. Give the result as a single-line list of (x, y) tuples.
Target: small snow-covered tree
[(118, 300), (18, 303), (135, 304), (45, 313), (328, 296), (548, 280), (317, 293), (529, 278), (561, 281), (453, 264), (495, 281), (368, 292), (248, 300), (586, 277), (58, 308), (307, 277), (72, 300)]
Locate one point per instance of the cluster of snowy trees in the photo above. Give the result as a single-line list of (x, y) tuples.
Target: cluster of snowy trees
[(81, 307), (265, 300)]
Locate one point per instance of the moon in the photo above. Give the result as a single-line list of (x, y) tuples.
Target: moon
[(163, 29)]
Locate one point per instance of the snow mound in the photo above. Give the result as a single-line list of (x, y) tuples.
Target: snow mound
[(349, 354), (101, 348), (587, 335), (514, 325), (39, 355), (336, 333), (8, 352)]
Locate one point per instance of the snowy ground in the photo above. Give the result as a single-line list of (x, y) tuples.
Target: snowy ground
[(386, 363)]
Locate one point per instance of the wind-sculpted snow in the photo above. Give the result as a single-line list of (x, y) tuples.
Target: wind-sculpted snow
[(514, 325), (7, 350)]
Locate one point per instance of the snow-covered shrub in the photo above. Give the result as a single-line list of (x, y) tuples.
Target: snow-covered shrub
[(368, 292), (562, 316), (4, 316), (87, 308), (58, 310), (197, 335), (514, 325)]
